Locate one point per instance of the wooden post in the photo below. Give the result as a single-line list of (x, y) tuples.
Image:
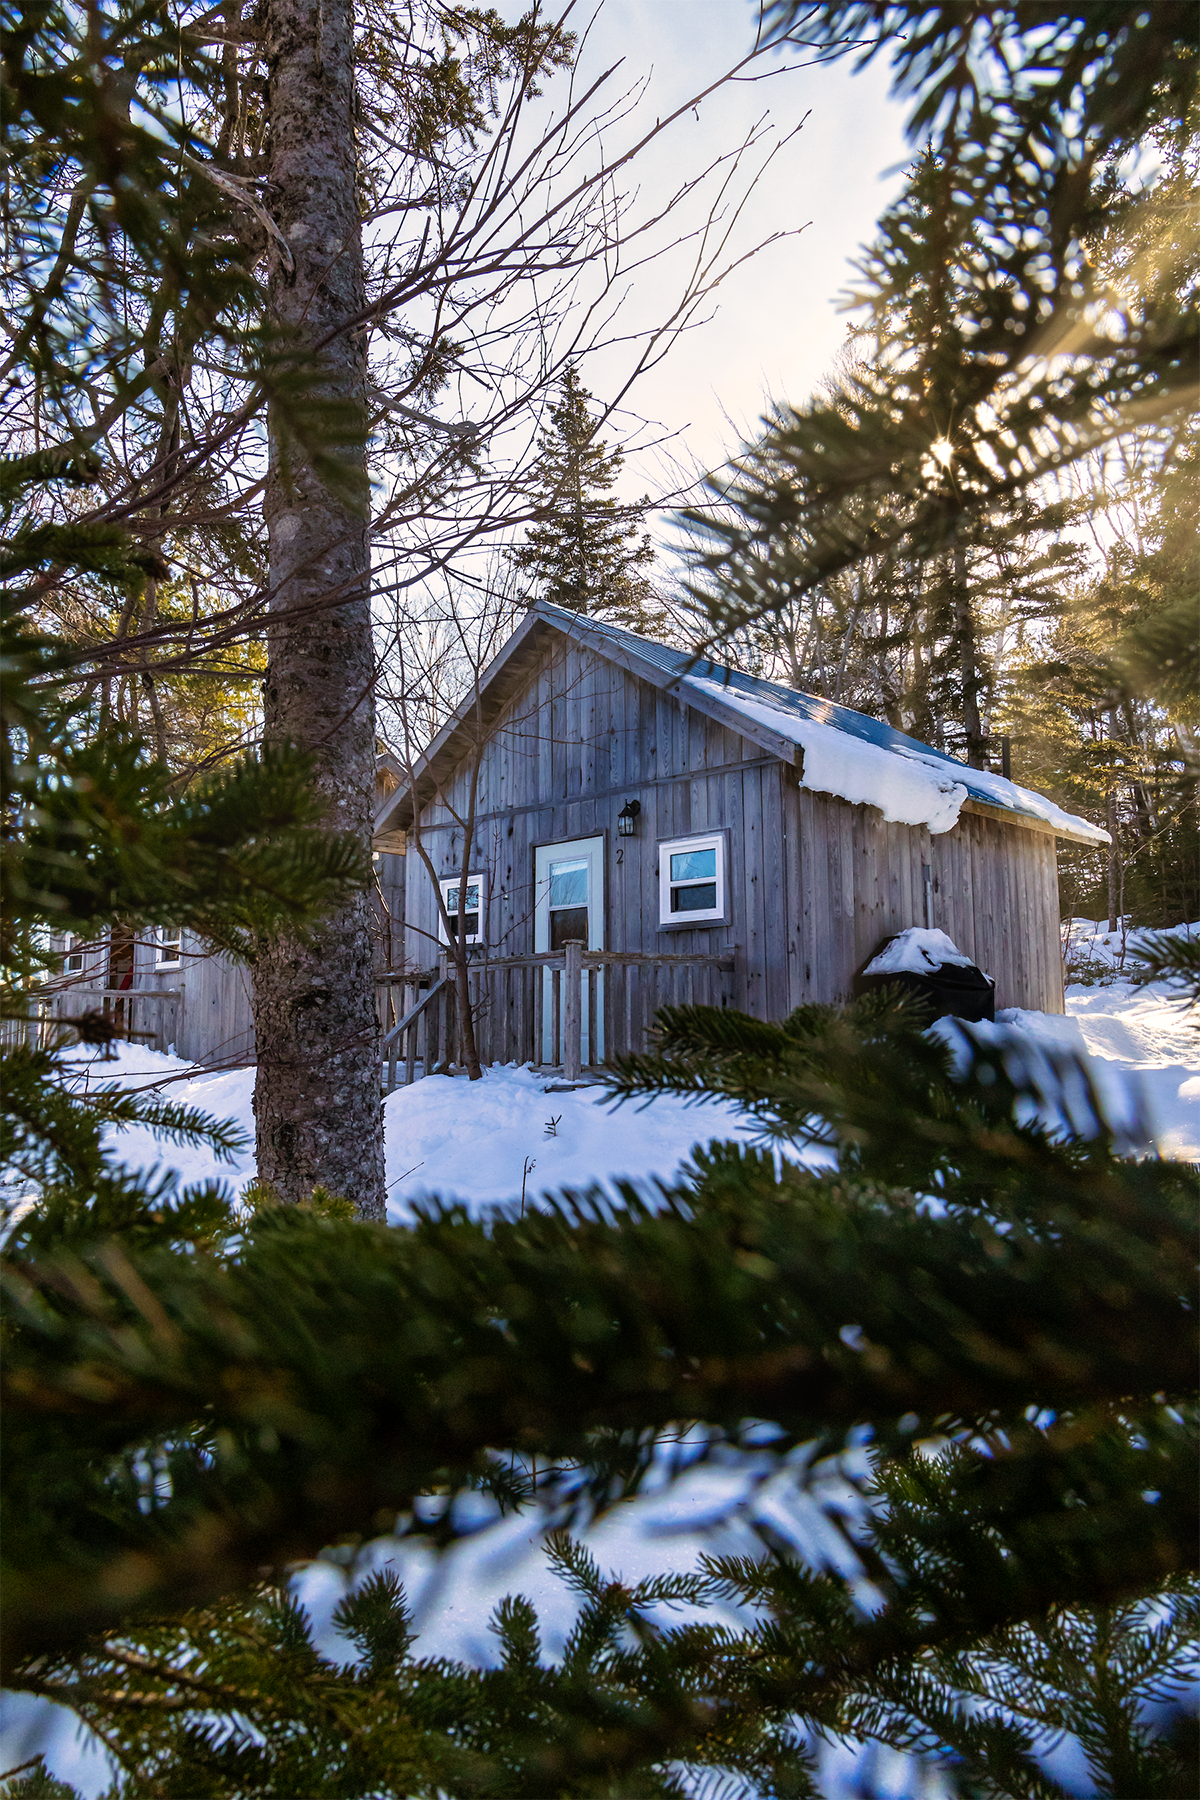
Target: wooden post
[(393, 1015), (555, 1017), (572, 1009), (450, 1049), (481, 1008), (411, 994), (433, 1015)]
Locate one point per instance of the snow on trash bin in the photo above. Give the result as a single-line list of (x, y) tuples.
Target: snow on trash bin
[(929, 965)]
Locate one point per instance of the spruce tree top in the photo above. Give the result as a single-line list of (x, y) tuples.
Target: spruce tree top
[(584, 552)]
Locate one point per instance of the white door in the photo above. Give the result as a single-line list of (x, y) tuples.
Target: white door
[(569, 903)]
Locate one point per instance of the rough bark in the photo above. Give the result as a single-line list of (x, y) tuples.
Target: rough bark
[(317, 1097), (1114, 862), (964, 624)]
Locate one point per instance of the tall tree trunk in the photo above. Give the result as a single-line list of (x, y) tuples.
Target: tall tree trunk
[(924, 726), (1114, 862), (1112, 824), (317, 1097), (964, 625), (1143, 810)]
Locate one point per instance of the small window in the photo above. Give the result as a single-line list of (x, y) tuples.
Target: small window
[(72, 954), (475, 890), (168, 947), (692, 880)]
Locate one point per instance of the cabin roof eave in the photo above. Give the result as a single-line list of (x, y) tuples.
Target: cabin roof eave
[(1007, 815)]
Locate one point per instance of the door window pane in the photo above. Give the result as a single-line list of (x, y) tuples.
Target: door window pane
[(568, 884), (695, 865), (702, 897), (567, 923)]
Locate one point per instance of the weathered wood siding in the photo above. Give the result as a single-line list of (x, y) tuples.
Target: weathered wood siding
[(213, 1022), (816, 884), (389, 912), (996, 895), (993, 890)]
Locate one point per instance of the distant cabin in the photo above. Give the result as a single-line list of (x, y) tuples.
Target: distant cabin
[(642, 802), (696, 833), (162, 988), (166, 989)]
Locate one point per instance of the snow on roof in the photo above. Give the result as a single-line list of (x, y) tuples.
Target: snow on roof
[(905, 792), (869, 763), (847, 754)]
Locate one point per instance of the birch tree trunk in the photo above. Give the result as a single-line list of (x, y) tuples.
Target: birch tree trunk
[(317, 1096)]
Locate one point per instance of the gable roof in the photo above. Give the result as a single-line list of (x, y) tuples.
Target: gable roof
[(835, 749)]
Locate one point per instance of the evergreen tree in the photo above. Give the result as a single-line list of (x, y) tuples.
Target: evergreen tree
[(178, 1417), (911, 628), (1104, 704), (237, 1700), (584, 552), (897, 528), (981, 273)]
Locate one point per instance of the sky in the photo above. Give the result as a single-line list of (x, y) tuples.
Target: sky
[(774, 329)]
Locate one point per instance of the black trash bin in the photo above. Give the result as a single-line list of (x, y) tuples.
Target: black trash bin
[(945, 990)]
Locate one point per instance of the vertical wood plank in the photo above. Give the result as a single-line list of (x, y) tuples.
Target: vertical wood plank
[(777, 943)]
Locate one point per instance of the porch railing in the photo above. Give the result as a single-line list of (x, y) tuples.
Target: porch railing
[(147, 1015), (571, 1009)]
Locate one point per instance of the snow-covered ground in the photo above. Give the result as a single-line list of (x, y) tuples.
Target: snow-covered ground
[(472, 1141), (475, 1142), (1136, 1031)]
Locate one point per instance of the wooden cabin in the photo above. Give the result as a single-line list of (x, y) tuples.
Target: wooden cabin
[(701, 834), (647, 829)]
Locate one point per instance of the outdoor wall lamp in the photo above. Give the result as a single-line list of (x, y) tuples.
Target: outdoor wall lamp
[(627, 818)]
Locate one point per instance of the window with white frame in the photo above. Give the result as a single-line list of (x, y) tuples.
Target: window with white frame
[(168, 947), (72, 954), (474, 902), (693, 880)]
